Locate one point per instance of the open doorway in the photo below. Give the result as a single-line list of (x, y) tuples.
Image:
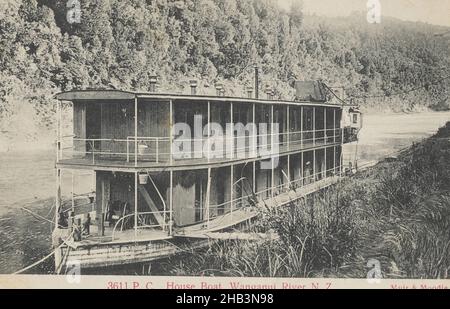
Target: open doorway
[(93, 124)]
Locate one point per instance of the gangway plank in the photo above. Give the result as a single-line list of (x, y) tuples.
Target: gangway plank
[(151, 204), (233, 236)]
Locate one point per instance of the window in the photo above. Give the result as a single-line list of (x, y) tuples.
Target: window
[(355, 118)]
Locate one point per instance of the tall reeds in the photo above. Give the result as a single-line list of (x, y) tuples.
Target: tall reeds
[(396, 212)]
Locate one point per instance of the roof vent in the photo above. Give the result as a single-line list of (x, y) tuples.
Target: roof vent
[(250, 92), (193, 83), (219, 89), (153, 80), (269, 92)]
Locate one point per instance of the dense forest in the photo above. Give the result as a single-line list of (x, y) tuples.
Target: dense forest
[(395, 65)]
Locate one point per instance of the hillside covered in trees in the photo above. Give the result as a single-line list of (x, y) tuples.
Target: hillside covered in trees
[(397, 65)]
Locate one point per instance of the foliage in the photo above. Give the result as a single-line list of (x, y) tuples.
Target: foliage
[(415, 202), (123, 43), (315, 236)]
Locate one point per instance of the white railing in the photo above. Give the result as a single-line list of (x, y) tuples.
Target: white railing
[(144, 220), (158, 149), (148, 220), (244, 201), (148, 148)]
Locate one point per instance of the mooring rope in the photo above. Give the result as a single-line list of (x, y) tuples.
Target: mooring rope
[(44, 258), (36, 215), (38, 262)]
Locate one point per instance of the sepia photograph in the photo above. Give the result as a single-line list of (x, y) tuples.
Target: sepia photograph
[(225, 144)]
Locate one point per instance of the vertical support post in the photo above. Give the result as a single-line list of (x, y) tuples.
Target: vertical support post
[(58, 106), (58, 253), (135, 131), (325, 125), (171, 203), (128, 149), (342, 150), (314, 126), (255, 147), (272, 180), (58, 171), (231, 135), (103, 205), (288, 171), (231, 188), (93, 151), (254, 177), (209, 134), (157, 149), (334, 125), (254, 113), (72, 193), (58, 130), (301, 127), (170, 131), (164, 215), (314, 165), (57, 196), (288, 127), (208, 193), (341, 142), (334, 160), (325, 140), (271, 128), (99, 201), (254, 151), (302, 172), (135, 205)]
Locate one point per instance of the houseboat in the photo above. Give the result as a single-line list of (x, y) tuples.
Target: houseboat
[(172, 171)]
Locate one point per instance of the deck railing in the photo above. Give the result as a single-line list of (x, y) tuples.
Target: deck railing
[(213, 211), (159, 149), (145, 220), (148, 220)]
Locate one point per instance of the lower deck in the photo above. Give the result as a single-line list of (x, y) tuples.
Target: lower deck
[(152, 244)]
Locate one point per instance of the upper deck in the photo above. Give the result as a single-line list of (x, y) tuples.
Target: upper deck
[(115, 130)]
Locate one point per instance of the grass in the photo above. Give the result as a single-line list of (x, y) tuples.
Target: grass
[(396, 212)]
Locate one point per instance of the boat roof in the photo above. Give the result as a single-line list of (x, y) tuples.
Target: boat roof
[(114, 94)]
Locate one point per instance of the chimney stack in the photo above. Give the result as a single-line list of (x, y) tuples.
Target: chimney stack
[(193, 83), (256, 81), (249, 92), (153, 80), (269, 92), (219, 89)]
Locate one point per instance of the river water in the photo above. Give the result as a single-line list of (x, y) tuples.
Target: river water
[(383, 135), (27, 181)]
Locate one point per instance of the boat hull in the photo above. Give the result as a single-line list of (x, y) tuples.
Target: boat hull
[(106, 255)]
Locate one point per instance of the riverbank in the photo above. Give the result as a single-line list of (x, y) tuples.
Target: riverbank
[(391, 220)]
